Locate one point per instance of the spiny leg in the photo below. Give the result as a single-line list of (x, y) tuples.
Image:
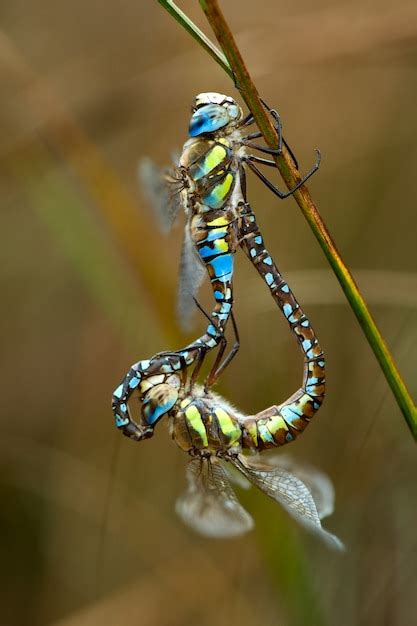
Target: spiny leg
[(222, 343), (248, 120), (218, 367), (249, 160), (246, 141), (272, 112)]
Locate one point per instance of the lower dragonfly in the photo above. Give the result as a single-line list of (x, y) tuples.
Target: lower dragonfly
[(215, 435)]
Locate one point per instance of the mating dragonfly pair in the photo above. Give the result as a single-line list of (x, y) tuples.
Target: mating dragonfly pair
[(209, 183)]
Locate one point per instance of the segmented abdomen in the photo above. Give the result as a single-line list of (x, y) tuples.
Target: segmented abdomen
[(281, 424)]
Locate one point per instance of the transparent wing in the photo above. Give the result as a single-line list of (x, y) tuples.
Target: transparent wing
[(290, 492), (209, 505), (317, 482), (191, 275), (162, 187)]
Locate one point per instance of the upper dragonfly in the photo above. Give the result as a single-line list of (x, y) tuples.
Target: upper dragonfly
[(209, 183)]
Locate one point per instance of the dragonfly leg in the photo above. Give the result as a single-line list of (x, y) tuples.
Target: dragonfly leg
[(199, 362), (219, 367), (202, 353), (249, 160), (278, 127), (281, 139)]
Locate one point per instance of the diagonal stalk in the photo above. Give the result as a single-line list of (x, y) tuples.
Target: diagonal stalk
[(235, 67)]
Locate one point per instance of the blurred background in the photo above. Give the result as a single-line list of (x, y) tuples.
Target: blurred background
[(88, 529)]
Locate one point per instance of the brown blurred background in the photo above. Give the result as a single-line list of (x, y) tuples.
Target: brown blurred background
[(88, 530)]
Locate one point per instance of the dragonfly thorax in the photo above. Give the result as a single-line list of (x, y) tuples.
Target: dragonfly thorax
[(200, 425)]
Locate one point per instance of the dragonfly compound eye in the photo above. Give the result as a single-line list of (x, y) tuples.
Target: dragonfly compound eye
[(157, 402)]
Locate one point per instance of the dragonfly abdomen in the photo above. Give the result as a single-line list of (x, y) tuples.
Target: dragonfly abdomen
[(281, 424)]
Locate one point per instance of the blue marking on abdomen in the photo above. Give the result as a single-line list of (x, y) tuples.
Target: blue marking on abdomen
[(206, 251), (269, 278), (212, 236), (258, 240), (211, 330), (118, 392), (222, 265), (134, 382), (218, 295), (287, 308), (121, 421), (306, 344)]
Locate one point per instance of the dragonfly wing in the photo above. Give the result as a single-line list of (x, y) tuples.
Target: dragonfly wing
[(162, 188), (290, 492), (318, 483), (209, 505), (191, 275)]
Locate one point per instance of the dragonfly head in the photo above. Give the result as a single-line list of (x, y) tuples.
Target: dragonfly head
[(212, 111), (159, 400)]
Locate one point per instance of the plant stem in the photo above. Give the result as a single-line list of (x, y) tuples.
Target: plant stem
[(235, 67)]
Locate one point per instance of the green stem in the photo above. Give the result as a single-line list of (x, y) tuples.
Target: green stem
[(234, 65), (198, 34)]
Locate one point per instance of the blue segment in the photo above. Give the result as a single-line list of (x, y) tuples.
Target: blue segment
[(287, 308), (289, 436), (253, 252), (265, 433), (121, 421), (292, 318), (134, 382), (226, 306), (222, 316), (206, 251), (211, 330), (321, 363), (310, 354), (222, 265), (285, 288), (213, 235), (123, 407), (207, 119), (144, 364), (268, 260), (290, 413), (218, 295), (306, 344), (316, 405), (306, 323), (118, 392), (269, 278), (258, 240)]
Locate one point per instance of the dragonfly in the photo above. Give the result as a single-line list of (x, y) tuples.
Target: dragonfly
[(210, 184), (220, 438)]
